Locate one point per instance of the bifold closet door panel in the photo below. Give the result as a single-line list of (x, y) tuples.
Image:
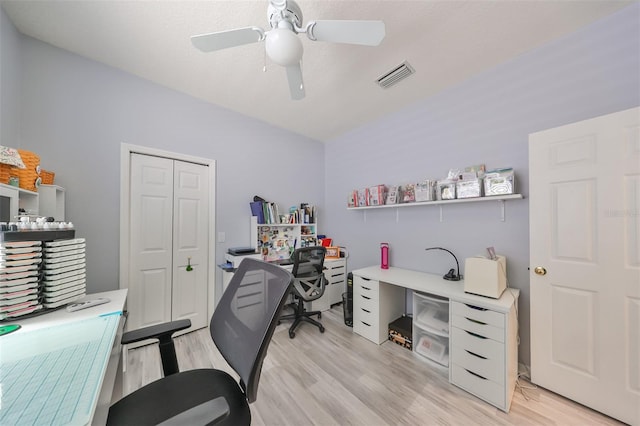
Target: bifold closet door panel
[(190, 246), (151, 246)]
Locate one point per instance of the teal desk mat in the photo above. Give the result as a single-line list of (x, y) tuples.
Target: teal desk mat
[(53, 375)]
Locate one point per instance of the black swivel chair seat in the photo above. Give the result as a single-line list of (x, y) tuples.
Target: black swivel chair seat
[(308, 284), (241, 327)]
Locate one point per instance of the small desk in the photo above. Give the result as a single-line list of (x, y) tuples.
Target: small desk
[(37, 389), (482, 332)]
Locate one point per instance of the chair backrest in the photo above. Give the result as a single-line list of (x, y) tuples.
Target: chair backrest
[(308, 261), (309, 280), (246, 316)]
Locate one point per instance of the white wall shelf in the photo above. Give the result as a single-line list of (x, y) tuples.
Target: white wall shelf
[(440, 203)]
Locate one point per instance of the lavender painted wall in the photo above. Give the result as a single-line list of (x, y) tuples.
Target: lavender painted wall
[(487, 119), (10, 99)]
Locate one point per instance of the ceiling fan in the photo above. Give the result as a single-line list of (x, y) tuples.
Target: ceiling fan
[(282, 43)]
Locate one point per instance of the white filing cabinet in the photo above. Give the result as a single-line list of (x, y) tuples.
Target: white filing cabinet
[(336, 274), (375, 305), (478, 340), (483, 352)]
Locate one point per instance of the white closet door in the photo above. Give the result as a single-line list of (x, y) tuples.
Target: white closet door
[(585, 233), (151, 245), (190, 247)]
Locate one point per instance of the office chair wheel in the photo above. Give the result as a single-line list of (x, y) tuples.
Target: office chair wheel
[(321, 329), (292, 334), (319, 315)]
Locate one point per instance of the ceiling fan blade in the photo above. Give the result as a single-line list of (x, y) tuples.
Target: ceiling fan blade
[(368, 33), (224, 39), (296, 86)]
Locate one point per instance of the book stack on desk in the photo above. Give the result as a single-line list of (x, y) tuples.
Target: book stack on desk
[(19, 278)]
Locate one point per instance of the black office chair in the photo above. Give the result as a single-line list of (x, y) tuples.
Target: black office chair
[(308, 284), (241, 327)]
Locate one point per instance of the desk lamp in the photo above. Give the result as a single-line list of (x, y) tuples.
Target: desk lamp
[(451, 275)]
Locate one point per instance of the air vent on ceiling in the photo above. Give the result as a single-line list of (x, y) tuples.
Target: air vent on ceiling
[(394, 76)]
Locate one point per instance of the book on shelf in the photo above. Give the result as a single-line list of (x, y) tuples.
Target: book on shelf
[(266, 212)]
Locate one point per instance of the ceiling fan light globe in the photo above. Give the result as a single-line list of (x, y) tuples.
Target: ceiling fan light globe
[(283, 47)]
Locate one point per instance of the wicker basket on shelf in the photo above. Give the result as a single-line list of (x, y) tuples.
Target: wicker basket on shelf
[(47, 177), (5, 173), (31, 173), (9, 159)]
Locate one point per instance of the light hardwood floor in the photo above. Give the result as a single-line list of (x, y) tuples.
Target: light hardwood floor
[(339, 378)]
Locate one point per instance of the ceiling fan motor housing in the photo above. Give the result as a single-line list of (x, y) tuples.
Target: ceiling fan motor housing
[(291, 13)]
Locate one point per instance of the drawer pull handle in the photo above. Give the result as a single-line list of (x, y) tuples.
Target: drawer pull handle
[(366, 279), (366, 288), (475, 335), (476, 355), (366, 310), (365, 297), (475, 321), (476, 307), (368, 325), (475, 374)]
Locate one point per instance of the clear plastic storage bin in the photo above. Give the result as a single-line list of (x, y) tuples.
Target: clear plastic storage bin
[(431, 312), (431, 346)]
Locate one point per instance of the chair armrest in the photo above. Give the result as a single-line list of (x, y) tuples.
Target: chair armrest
[(164, 333), (159, 331)]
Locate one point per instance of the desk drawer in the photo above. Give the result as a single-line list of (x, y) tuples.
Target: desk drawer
[(478, 385), (479, 328), (489, 368), (366, 328), (365, 287), (479, 314), (479, 345)]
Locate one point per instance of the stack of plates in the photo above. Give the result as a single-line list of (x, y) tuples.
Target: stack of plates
[(64, 271), (20, 278)]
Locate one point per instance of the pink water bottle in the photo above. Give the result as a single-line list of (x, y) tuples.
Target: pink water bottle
[(384, 255)]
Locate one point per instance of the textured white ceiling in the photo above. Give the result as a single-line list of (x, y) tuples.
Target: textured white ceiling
[(445, 41)]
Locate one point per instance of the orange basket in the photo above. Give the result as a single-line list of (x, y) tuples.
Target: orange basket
[(28, 175), (47, 177), (5, 172)]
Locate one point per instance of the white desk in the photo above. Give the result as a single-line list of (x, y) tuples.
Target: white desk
[(37, 386), (482, 335)]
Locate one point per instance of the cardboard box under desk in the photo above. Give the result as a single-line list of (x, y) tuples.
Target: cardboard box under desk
[(400, 332)]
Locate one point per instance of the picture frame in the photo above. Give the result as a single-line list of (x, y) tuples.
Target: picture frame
[(332, 253)]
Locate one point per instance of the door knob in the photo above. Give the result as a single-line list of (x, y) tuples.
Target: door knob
[(540, 270)]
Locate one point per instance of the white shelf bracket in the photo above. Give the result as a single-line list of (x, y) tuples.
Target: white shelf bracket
[(365, 216), (440, 206), (397, 215), (502, 210)]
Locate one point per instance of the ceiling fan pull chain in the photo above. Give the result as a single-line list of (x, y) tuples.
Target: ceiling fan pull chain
[(264, 67)]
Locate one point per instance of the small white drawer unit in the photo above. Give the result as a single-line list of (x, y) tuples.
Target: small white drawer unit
[(336, 274), (483, 352), (371, 301)]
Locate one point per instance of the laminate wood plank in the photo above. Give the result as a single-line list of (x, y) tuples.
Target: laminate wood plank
[(340, 378)]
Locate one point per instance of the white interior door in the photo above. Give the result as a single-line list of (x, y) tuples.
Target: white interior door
[(190, 243), (585, 262), (151, 241)]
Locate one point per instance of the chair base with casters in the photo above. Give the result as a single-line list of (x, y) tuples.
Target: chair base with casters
[(301, 315), (241, 328)]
